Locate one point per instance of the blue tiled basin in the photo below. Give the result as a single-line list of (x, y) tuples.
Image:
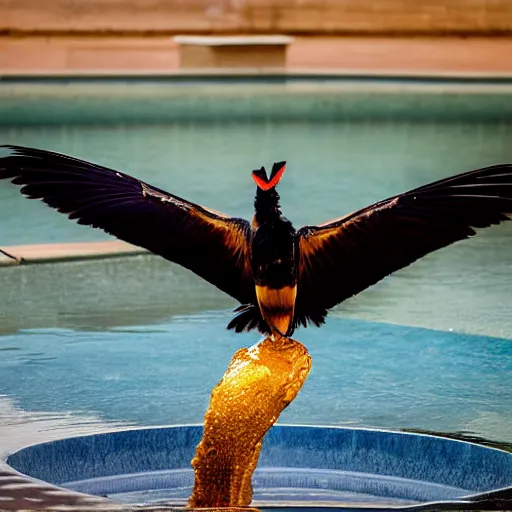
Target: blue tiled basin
[(299, 466)]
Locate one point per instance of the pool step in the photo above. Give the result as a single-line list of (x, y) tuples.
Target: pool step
[(48, 253)]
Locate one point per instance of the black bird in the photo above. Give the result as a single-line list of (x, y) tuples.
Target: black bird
[(283, 278)]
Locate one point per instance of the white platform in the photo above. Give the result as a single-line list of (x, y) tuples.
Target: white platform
[(233, 51)]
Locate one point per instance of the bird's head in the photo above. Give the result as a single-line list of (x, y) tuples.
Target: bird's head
[(266, 183), (266, 203)]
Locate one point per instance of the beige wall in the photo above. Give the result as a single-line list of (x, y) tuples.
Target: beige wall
[(288, 16)]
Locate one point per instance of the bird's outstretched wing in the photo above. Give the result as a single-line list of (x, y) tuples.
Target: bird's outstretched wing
[(343, 257), (210, 244)]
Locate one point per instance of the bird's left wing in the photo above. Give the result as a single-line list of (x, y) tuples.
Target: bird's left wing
[(210, 244), (343, 257)]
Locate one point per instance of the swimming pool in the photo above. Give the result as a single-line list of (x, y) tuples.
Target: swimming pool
[(94, 345)]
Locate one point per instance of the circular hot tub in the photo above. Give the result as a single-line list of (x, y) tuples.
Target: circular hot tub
[(300, 466)]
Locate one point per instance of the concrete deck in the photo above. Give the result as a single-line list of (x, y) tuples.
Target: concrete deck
[(161, 54), (48, 253)]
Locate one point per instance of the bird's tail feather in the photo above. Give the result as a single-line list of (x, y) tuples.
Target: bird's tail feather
[(248, 317)]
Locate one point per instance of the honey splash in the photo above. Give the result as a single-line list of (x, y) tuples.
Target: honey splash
[(258, 385)]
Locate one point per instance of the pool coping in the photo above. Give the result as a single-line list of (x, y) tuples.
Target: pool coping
[(256, 75)]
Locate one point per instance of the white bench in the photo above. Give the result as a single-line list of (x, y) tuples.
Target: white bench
[(233, 51)]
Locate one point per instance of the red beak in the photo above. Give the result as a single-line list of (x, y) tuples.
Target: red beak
[(267, 185)]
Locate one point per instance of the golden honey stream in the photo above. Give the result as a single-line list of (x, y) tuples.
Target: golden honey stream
[(259, 383)]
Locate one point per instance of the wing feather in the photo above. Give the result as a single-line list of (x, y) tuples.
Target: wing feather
[(212, 245), (343, 257)]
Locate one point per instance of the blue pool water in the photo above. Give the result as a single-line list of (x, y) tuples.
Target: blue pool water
[(94, 345), (363, 373)]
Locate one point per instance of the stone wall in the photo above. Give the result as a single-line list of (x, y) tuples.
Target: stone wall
[(258, 16)]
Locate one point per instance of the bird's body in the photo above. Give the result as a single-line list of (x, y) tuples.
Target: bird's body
[(282, 277), (274, 262)]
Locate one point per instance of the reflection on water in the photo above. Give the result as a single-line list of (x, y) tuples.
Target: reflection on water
[(98, 294), (19, 428), (364, 374)]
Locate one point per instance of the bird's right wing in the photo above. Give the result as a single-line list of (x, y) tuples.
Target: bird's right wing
[(343, 257), (208, 243)]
